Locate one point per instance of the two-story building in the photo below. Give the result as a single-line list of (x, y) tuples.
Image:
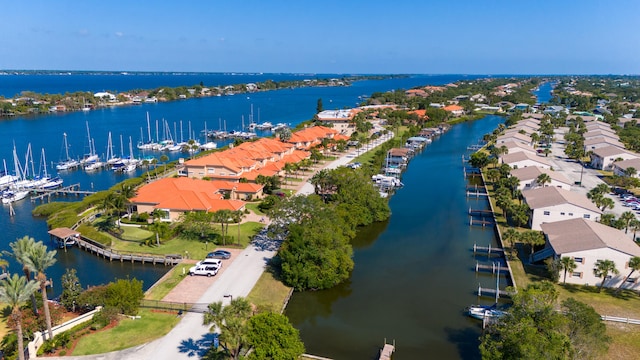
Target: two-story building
[(551, 204), (587, 242), (603, 158), (528, 177), (524, 159)]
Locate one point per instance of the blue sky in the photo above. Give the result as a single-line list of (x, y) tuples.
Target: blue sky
[(434, 37)]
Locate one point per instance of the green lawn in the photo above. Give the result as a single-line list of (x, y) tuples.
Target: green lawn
[(196, 249), (135, 233), (269, 293), (167, 283), (254, 207), (128, 333)]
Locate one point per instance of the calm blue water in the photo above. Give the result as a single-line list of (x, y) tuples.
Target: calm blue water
[(544, 92), (413, 275), (288, 106)]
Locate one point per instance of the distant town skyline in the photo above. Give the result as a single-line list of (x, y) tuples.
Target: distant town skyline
[(434, 37)]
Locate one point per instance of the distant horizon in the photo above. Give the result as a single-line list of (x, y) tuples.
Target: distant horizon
[(4, 72)]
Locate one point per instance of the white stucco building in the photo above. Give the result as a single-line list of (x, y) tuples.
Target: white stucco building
[(513, 147), (528, 178), (552, 204), (604, 157), (523, 159), (586, 242), (620, 167)]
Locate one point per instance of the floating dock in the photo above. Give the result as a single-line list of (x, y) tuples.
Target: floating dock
[(67, 190)]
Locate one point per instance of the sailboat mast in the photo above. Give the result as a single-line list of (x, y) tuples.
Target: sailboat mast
[(148, 128), (181, 138), (121, 147), (66, 146), (89, 138), (157, 138), (44, 162)]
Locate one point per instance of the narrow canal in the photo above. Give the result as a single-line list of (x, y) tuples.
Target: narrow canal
[(414, 274)]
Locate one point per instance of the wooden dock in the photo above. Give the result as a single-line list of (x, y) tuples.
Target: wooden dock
[(493, 268), (487, 292), (481, 213), (100, 251), (482, 223), (67, 190), (488, 250)]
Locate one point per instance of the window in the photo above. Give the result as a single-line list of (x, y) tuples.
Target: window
[(562, 213), (578, 260), (211, 171), (632, 280), (576, 275), (547, 213), (570, 214), (586, 216)]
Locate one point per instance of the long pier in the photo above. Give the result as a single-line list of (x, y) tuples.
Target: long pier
[(100, 251), (493, 268), (489, 250), (67, 190), (482, 223), (481, 213), (488, 292)]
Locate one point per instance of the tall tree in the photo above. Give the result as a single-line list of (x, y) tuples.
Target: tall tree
[(19, 250), (567, 264), (542, 179), (319, 107), (626, 218), (38, 260), (164, 158), (231, 320), (603, 269), (14, 291), (273, 337), (634, 265), (585, 329)]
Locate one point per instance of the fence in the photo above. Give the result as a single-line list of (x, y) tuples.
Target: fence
[(39, 337), (620, 319)]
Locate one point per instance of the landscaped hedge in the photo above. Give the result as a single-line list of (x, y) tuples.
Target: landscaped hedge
[(93, 234)]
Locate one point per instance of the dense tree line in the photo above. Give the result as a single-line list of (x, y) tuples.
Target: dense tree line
[(316, 253)]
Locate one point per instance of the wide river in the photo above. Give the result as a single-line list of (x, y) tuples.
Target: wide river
[(289, 106), (414, 274)]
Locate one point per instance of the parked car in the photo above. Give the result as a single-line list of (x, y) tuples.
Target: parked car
[(207, 270), (217, 263), (219, 254)]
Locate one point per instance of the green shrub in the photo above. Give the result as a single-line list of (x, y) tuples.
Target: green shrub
[(92, 233), (124, 295), (104, 317), (49, 209)]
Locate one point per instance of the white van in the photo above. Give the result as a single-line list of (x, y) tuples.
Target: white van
[(217, 263)]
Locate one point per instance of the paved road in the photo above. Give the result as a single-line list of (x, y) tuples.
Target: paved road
[(190, 339)]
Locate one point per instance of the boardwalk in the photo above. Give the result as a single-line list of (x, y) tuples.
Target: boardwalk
[(67, 190), (99, 250)]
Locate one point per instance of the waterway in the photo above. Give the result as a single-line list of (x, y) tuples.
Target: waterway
[(414, 274), (544, 92), (46, 131)]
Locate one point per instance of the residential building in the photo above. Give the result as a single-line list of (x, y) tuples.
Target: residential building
[(514, 136), (455, 110), (175, 196), (524, 159), (598, 142), (340, 120), (513, 146), (588, 242), (551, 204), (608, 133), (528, 178), (603, 158), (620, 167)]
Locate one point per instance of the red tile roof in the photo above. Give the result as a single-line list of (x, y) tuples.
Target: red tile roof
[(184, 194)]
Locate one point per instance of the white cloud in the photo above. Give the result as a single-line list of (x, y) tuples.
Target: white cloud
[(119, 34)]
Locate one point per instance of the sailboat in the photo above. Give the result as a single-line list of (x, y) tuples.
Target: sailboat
[(47, 182), (91, 157), (149, 145), (111, 157), (6, 179), (15, 193), (67, 163), (208, 145)]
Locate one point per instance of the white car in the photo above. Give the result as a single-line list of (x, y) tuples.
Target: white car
[(203, 270), (217, 263)]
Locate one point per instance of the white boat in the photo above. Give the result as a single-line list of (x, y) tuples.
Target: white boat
[(208, 146), (94, 166), (279, 126), (6, 179), (386, 181), (91, 157), (10, 196), (111, 157), (149, 145), (52, 183), (67, 163), (264, 126), (484, 312)]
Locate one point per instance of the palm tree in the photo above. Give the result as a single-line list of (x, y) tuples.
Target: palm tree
[(635, 226), (223, 216), (542, 179), (164, 158), (231, 322), (630, 171), (237, 217), (14, 291), (603, 269), (19, 250), (634, 265), (567, 264), (38, 260), (626, 217)]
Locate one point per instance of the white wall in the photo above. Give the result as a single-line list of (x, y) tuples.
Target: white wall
[(589, 259), (526, 163), (560, 213), (532, 184)]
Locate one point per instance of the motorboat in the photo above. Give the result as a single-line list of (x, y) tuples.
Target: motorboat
[(482, 312), (10, 196)]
